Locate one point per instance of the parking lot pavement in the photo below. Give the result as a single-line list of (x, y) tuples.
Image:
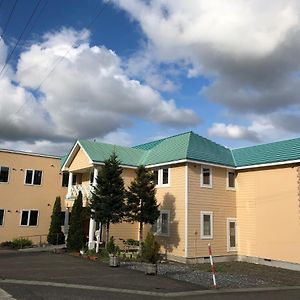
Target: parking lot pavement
[(64, 268)]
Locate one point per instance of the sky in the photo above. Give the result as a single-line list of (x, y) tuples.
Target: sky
[(130, 71)]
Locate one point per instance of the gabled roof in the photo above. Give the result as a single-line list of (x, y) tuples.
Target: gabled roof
[(283, 151)]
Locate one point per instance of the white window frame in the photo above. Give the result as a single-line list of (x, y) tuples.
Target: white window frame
[(29, 210), (32, 179), (160, 177), (210, 177), (206, 237), (159, 221), (231, 249), (227, 181), (3, 217), (8, 179)]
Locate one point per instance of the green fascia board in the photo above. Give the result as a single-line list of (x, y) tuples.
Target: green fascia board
[(281, 151), (99, 152)]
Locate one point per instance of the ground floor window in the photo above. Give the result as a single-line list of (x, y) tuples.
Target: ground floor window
[(231, 234), (162, 225), (1, 217), (29, 217), (206, 225)]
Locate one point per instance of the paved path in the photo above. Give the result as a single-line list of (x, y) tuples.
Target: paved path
[(30, 276)]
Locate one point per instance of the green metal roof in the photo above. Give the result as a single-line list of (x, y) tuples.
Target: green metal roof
[(99, 152), (267, 153), (192, 146)]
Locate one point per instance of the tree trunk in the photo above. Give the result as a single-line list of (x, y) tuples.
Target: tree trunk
[(140, 238), (107, 234)]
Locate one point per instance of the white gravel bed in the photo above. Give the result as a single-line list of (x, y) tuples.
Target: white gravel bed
[(204, 279)]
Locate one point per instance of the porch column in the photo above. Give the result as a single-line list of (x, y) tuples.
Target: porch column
[(91, 244), (95, 176), (70, 184), (66, 223)]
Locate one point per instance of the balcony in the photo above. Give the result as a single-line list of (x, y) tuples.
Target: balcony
[(75, 189)]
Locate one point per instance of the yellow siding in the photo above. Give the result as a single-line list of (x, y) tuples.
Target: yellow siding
[(80, 161), (218, 200), (173, 198), (15, 196), (268, 213)]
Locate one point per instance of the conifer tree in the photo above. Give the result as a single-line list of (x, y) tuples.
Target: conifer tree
[(76, 237), (55, 235), (107, 203), (141, 202)]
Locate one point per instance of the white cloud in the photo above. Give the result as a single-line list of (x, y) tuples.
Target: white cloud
[(234, 132), (88, 95)]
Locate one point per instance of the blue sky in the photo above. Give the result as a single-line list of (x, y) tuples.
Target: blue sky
[(149, 69)]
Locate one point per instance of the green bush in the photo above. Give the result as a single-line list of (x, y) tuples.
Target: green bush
[(111, 246), (21, 243), (150, 251), (132, 242), (7, 244)]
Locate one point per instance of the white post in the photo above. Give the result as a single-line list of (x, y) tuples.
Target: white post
[(66, 223), (70, 184), (92, 226), (95, 176)]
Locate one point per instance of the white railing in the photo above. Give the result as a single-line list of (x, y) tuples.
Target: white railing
[(75, 189)]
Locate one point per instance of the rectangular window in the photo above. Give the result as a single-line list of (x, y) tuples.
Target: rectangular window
[(29, 217), (165, 176), (161, 227), (1, 217), (65, 179), (206, 225), (231, 180), (74, 179), (206, 177), (155, 175), (4, 174), (231, 234), (162, 176), (33, 177)]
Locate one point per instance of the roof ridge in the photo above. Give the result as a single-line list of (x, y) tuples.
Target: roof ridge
[(163, 139), (211, 141), (263, 144)]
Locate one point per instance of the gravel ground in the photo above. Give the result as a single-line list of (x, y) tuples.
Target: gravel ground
[(189, 274)]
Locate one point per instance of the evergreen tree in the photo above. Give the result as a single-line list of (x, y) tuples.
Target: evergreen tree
[(76, 237), (55, 235), (107, 203), (141, 202)]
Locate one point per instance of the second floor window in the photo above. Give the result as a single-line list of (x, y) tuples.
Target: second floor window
[(4, 174), (33, 177), (162, 176), (206, 176), (231, 180)]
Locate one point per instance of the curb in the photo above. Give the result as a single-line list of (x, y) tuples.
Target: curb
[(148, 293)]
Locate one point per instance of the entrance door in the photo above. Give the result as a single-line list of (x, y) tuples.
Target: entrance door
[(231, 234)]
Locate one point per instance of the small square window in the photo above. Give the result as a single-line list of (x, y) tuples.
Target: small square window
[(4, 174), (206, 225), (33, 177), (230, 179), (29, 217), (1, 217)]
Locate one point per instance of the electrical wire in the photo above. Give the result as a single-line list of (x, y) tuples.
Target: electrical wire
[(8, 19), (20, 37)]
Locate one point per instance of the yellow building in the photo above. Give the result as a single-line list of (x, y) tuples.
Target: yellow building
[(244, 202), (29, 184)]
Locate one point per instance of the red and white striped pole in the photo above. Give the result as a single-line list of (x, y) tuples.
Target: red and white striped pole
[(213, 270)]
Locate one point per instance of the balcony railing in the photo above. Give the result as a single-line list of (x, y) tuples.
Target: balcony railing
[(75, 189)]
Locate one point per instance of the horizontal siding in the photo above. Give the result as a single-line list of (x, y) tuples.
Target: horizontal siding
[(218, 200), (268, 213), (80, 161)]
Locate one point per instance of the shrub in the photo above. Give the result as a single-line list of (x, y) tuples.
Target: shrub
[(150, 251), (132, 242), (111, 246), (21, 243), (7, 244)]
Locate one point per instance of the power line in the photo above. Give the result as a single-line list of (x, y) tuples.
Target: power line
[(20, 37), (90, 24), (8, 19), (60, 59)]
